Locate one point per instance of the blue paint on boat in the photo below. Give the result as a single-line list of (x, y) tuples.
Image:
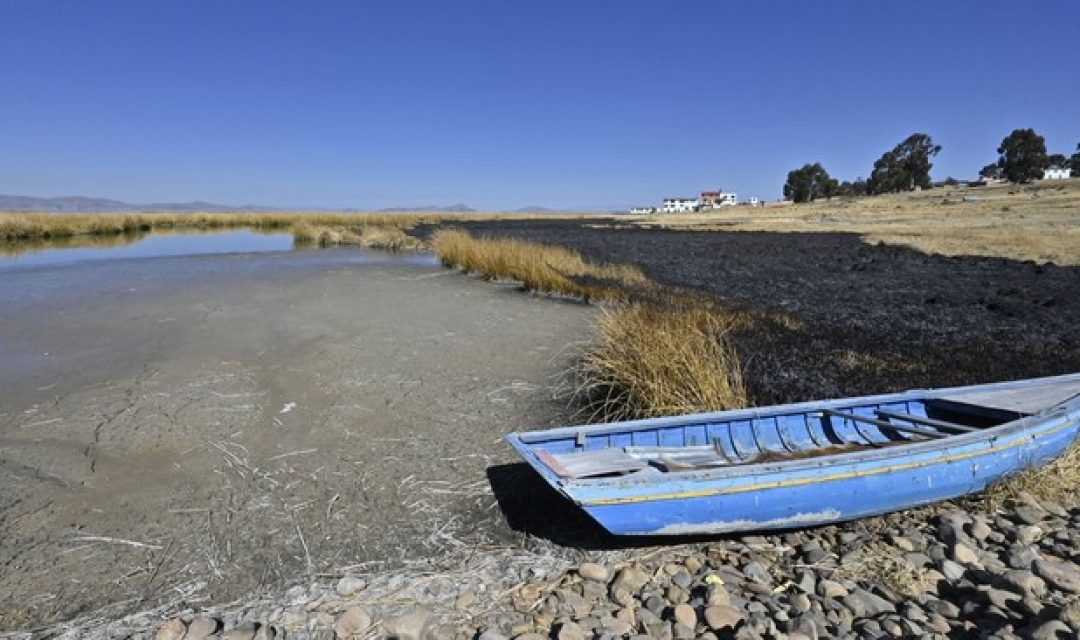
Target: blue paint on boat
[(802, 464)]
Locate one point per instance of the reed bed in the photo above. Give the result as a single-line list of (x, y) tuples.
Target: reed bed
[(46, 226), (369, 236), (541, 268)]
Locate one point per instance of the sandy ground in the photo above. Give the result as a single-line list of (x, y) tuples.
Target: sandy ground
[(206, 426)]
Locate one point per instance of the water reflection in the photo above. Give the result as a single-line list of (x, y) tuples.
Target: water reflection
[(140, 245)]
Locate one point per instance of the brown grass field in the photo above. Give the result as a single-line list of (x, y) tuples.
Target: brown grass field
[(1039, 222)]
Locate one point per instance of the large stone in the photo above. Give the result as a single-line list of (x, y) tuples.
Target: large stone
[(717, 594), (408, 626), (1028, 534), (202, 628), (243, 631), (594, 572), (719, 617), (353, 621), (800, 602), (686, 615), (173, 629), (979, 530), (1023, 582), (1029, 515), (951, 570), (1059, 574), (680, 631), (570, 631), (1070, 614), (964, 554), (862, 603), (626, 583), (831, 589), (349, 585), (1051, 630)]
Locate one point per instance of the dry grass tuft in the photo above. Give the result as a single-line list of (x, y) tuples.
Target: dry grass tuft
[(886, 565), (652, 361), (385, 237), (538, 267), (1055, 481)]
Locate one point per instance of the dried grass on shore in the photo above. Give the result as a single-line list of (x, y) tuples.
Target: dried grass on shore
[(44, 226), (650, 361), (390, 238), (538, 267), (663, 357)]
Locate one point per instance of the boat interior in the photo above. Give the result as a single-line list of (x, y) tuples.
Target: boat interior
[(610, 451)]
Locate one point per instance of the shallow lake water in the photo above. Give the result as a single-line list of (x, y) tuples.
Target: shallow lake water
[(153, 245)]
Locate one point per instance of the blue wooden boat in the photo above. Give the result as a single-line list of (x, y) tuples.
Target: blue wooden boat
[(804, 464)]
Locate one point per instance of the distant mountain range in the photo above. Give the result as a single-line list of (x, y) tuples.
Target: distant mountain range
[(84, 204), (457, 208)]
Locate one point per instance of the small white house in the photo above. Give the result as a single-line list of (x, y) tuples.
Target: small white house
[(679, 205), (1057, 173), (643, 210), (717, 199)]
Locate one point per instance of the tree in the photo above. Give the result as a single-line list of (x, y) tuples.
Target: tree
[(852, 189), (1074, 162), (1056, 160), (905, 167), (991, 171), (1023, 156), (808, 183)]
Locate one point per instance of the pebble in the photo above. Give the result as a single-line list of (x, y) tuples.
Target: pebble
[(720, 617), (800, 602), (570, 631), (349, 585), (686, 615), (1051, 630), (964, 554), (1024, 582), (245, 631), (353, 621), (202, 628), (831, 589), (594, 572), (409, 626), (173, 629), (1061, 576)]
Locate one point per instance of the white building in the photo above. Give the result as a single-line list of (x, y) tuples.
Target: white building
[(717, 199), (679, 205), (1057, 173), (644, 210)]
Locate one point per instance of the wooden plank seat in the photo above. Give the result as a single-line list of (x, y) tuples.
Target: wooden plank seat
[(591, 464)]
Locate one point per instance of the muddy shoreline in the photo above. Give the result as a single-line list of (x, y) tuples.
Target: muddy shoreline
[(205, 427)]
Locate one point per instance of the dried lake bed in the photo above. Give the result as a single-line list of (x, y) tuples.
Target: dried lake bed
[(208, 425)]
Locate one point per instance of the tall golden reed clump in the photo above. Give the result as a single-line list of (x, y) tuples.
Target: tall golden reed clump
[(650, 361), (538, 267)]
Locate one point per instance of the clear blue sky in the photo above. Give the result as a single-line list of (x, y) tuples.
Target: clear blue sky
[(508, 103)]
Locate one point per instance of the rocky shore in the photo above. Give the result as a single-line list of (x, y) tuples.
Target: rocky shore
[(951, 571)]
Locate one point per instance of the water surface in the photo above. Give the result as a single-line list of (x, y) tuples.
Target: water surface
[(153, 245)]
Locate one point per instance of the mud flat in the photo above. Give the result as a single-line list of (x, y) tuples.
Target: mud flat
[(201, 427)]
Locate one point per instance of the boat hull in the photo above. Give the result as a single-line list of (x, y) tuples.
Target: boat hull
[(814, 492)]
